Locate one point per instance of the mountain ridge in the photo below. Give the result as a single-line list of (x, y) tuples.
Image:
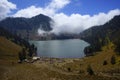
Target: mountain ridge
[(27, 27)]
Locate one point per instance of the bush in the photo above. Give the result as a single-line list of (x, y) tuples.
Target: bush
[(90, 70), (105, 62), (69, 69), (117, 49), (22, 55), (81, 71), (113, 60)]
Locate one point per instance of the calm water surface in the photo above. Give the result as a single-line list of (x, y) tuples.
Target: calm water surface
[(73, 48)]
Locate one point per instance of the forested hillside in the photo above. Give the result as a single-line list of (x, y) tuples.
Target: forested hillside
[(99, 36)]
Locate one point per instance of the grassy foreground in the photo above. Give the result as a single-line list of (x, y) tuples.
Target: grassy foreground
[(68, 69)]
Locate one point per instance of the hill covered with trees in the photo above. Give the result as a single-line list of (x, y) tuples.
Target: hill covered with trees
[(99, 36)]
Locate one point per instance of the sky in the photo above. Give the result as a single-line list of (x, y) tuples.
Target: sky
[(75, 6), (71, 16)]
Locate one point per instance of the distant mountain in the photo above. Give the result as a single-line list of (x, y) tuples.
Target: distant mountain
[(98, 36), (27, 27)]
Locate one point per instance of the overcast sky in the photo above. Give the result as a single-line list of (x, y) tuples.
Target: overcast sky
[(69, 15)]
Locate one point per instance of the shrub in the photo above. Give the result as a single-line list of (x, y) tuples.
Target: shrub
[(113, 60), (105, 62), (22, 55), (81, 71), (90, 70), (69, 69)]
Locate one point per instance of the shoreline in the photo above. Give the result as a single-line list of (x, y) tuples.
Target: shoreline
[(55, 61)]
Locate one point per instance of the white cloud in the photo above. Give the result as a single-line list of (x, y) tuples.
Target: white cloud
[(76, 23), (29, 12), (5, 8), (49, 10), (57, 4)]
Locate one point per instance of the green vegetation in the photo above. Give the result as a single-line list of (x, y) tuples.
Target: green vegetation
[(32, 50), (117, 49), (22, 55)]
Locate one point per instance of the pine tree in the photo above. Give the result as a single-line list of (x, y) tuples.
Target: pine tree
[(22, 55)]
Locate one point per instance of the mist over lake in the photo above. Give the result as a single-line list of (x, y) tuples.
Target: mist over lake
[(73, 48)]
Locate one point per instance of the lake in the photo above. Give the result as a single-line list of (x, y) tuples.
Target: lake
[(73, 48)]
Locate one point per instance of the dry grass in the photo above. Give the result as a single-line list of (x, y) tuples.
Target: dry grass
[(11, 70), (96, 62), (31, 72), (8, 49)]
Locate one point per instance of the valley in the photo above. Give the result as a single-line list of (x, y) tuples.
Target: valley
[(101, 61)]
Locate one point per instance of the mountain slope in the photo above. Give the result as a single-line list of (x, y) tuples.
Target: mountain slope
[(8, 49), (10, 44), (27, 27), (99, 36)]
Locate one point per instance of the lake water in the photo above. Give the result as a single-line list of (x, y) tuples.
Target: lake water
[(73, 48)]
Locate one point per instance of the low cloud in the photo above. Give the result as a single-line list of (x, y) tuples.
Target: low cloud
[(5, 8), (75, 23)]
